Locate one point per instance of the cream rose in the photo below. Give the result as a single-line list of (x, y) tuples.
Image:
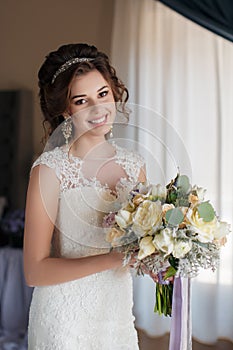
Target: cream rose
[(181, 248), (206, 230), (159, 191), (138, 199), (148, 217), (123, 218), (113, 236), (164, 240), (193, 199), (146, 247)]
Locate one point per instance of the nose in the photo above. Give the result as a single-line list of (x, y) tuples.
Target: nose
[(95, 106)]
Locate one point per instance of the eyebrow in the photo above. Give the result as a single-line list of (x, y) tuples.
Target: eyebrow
[(77, 96)]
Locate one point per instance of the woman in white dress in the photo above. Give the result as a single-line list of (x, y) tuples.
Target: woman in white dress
[(83, 295)]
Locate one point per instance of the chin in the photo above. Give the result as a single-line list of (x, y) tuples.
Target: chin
[(101, 130)]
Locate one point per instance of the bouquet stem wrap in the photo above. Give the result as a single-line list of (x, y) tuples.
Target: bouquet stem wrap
[(181, 325)]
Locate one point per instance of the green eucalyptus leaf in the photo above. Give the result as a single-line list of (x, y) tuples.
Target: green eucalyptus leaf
[(174, 216), (182, 202), (183, 183), (206, 211)]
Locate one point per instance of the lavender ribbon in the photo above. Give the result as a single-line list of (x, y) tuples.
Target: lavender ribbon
[(161, 280), (181, 328)]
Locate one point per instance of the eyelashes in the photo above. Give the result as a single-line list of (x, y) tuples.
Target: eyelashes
[(82, 101), (104, 93)]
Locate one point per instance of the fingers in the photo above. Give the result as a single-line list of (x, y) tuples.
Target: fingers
[(154, 276)]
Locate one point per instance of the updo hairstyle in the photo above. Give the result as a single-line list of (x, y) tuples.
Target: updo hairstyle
[(55, 95)]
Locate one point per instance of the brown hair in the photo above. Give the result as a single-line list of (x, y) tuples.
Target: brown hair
[(54, 97)]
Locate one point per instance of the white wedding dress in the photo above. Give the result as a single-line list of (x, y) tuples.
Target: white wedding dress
[(94, 312)]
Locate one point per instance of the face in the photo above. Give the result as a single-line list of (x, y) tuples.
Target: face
[(92, 105)]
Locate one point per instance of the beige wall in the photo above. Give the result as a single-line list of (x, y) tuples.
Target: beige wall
[(30, 29)]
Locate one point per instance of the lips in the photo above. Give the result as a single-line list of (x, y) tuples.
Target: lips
[(97, 121)]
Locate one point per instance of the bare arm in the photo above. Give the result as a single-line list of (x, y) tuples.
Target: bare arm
[(41, 209)]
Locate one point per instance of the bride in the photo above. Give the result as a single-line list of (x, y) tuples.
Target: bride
[(83, 295)]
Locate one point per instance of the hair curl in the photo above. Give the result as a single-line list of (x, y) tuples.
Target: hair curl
[(54, 97)]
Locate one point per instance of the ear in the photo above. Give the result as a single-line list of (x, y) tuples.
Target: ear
[(66, 115)]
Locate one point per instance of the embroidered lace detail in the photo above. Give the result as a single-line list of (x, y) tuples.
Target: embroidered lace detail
[(130, 161), (71, 316), (69, 172)]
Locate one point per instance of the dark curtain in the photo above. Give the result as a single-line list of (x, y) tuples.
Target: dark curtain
[(215, 15)]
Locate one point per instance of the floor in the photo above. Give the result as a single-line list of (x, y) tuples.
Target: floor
[(162, 343)]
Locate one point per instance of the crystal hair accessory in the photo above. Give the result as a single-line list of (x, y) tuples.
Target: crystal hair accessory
[(68, 64)]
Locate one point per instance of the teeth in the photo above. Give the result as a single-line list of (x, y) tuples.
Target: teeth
[(97, 121)]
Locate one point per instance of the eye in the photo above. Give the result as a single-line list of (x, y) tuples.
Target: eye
[(103, 93), (81, 101)]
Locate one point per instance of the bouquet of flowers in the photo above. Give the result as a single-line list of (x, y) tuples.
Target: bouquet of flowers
[(170, 231)]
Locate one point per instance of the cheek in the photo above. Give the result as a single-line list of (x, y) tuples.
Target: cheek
[(113, 111), (80, 112), (74, 109), (79, 121)]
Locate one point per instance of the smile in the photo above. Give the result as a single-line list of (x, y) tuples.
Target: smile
[(99, 120)]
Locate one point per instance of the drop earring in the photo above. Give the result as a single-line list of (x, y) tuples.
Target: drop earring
[(111, 132), (67, 129)]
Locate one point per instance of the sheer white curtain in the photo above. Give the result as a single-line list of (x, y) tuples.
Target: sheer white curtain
[(181, 78)]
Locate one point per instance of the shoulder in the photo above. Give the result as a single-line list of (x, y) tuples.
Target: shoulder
[(131, 161), (53, 159), (50, 158)]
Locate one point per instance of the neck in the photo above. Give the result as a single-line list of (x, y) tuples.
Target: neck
[(94, 147)]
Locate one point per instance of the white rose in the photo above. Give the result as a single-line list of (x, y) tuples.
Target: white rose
[(144, 188), (200, 193), (146, 247), (205, 230), (181, 248), (222, 229), (159, 191), (123, 218), (164, 240), (148, 217)]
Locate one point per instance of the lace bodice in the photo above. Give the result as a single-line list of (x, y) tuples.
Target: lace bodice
[(83, 202), (68, 168)]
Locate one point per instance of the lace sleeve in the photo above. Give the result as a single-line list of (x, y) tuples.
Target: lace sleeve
[(51, 160), (137, 162), (131, 162)]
